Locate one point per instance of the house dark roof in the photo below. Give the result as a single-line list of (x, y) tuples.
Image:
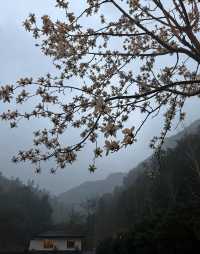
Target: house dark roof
[(58, 235)]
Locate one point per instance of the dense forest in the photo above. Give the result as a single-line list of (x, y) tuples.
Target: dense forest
[(24, 211), (158, 208)]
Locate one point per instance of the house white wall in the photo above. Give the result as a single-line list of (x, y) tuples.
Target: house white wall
[(59, 244)]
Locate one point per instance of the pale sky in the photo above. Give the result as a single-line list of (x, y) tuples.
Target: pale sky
[(20, 58)]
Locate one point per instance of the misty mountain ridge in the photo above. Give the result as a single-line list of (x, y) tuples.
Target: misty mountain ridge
[(94, 189), (193, 128), (90, 189)]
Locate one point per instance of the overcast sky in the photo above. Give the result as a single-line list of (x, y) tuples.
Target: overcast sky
[(19, 58)]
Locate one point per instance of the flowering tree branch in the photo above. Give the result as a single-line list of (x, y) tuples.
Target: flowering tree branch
[(144, 59)]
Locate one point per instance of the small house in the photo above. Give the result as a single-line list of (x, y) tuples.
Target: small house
[(57, 241)]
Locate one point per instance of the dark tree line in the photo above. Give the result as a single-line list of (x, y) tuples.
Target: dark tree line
[(24, 212), (158, 208)]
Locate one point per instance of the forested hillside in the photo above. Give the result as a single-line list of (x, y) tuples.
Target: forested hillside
[(24, 212), (157, 210)]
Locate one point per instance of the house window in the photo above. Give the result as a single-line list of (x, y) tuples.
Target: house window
[(48, 244), (70, 244)]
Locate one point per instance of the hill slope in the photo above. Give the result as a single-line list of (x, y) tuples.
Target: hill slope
[(170, 143), (90, 189)]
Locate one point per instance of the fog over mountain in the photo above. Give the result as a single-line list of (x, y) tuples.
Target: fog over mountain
[(20, 58), (91, 189), (77, 195), (193, 128)]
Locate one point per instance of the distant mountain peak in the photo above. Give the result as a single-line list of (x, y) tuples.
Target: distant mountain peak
[(91, 189)]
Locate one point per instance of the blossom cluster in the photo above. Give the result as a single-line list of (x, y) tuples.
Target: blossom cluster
[(145, 59)]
